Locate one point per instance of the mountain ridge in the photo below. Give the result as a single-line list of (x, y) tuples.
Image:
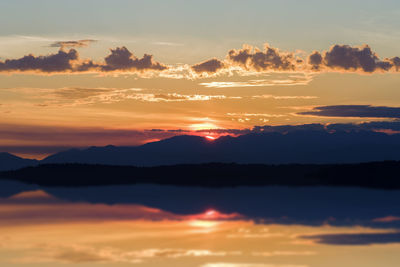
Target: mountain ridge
[(301, 146)]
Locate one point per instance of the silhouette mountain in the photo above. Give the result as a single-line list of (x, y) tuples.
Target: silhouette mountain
[(305, 147), (11, 162)]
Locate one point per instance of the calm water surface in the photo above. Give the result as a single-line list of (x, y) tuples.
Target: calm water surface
[(147, 225)]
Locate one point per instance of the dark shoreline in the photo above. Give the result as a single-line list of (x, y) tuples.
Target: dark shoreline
[(378, 175)]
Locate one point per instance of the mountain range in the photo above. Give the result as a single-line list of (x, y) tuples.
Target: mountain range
[(304, 147)]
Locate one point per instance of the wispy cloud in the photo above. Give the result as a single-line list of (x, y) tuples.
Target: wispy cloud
[(289, 80), (285, 97), (107, 255), (74, 96), (361, 111), (228, 264), (284, 253), (167, 43), (77, 43)]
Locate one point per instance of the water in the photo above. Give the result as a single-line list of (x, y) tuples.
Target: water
[(147, 225)]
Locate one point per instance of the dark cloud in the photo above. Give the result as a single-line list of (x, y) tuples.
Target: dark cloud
[(62, 61), (390, 126), (315, 60), (289, 128), (348, 58), (122, 59), (396, 62), (270, 58), (355, 239), (338, 58), (209, 66), (78, 43), (361, 111), (344, 58)]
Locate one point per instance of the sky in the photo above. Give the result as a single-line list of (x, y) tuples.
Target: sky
[(84, 73)]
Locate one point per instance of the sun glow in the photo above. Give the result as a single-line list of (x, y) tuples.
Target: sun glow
[(209, 137), (203, 126)]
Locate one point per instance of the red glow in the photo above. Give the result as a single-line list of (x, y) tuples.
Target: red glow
[(212, 214), (209, 137)]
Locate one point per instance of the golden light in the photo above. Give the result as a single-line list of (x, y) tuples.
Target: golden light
[(203, 126), (204, 224), (209, 137)]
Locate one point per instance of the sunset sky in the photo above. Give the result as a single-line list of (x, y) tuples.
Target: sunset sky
[(82, 73)]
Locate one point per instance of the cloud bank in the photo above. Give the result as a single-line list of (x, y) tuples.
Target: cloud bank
[(120, 59), (245, 61)]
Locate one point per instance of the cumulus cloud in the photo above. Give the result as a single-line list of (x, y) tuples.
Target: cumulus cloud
[(343, 58), (315, 60), (120, 59), (348, 58), (246, 61), (62, 61), (360, 111), (269, 59), (78, 43)]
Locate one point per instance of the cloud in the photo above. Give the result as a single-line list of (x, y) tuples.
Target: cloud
[(209, 66), (387, 219), (285, 97), (315, 60), (339, 58), (284, 253), (248, 60), (228, 264), (62, 61), (354, 59), (122, 59), (269, 59), (119, 60), (78, 43), (257, 83), (167, 43), (355, 239), (72, 96), (91, 254), (174, 97), (360, 111)]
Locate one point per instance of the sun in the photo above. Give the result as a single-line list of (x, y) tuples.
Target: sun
[(209, 137)]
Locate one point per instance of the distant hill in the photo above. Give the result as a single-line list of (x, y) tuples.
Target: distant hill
[(303, 146), (306, 147), (382, 175), (11, 162)]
